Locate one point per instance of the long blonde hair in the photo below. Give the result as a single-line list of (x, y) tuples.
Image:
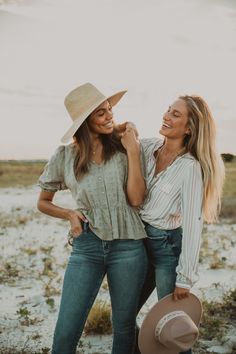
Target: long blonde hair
[(201, 143)]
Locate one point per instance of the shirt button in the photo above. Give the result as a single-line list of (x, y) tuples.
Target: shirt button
[(100, 178)]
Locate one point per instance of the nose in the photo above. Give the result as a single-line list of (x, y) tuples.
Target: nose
[(109, 115), (166, 116)]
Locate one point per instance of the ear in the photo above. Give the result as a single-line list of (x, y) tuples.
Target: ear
[(188, 131)]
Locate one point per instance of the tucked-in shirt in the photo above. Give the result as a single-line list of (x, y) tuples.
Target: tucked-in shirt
[(99, 195), (174, 199)]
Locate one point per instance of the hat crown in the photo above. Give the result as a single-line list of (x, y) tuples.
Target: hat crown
[(171, 326), (81, 102), (81, 99), (177, 333)]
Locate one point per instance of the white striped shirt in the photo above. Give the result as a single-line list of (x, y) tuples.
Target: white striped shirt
[(174, 199)]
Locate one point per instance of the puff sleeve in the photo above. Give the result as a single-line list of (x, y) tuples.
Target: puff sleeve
[(52, 178)]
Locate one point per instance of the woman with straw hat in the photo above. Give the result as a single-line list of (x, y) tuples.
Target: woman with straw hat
[(184, 180), (105, 231)]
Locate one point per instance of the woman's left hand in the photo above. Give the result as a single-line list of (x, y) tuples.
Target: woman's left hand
[(180, 293), (120, 128), (129, 139)]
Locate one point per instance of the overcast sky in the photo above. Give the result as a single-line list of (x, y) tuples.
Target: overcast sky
[(155, 49)]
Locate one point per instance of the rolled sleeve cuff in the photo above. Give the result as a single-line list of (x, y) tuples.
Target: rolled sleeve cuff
[(183, 282)]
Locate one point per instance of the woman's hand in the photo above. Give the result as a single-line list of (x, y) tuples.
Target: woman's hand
[(122, 127), (180, 293), (45, 205), (75, 218), (129, 139)]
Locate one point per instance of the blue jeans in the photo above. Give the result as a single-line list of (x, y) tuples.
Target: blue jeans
[(164, 248), (125, 263)]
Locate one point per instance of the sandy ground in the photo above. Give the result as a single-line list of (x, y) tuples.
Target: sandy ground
[(32, 263)]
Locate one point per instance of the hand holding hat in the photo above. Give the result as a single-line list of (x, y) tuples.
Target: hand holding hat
[(171, 326)]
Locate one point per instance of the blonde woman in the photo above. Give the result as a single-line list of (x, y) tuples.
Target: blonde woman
[(105, 231), (185, 176)]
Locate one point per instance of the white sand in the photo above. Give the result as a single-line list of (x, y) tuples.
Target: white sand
[(24, 231)]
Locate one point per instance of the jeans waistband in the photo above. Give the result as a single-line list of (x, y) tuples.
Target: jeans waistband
[(176, 229)]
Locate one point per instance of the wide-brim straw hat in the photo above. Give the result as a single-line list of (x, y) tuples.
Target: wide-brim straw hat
[(171, 326), (81, 102)]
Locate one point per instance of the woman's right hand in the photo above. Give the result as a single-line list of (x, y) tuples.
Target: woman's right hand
[(45, 205), (75, 218)]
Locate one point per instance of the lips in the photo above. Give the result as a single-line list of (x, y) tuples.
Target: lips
[(108, 125), (165, 125)]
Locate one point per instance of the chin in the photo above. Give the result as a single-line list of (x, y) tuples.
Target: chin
[(107, 131), (163, 132)]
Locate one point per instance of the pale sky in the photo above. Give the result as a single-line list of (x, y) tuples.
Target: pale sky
[(157, 49)]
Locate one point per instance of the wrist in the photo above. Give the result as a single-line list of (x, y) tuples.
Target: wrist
[(134, 151), (69, 214)]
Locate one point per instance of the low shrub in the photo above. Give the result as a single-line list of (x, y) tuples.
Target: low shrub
[(99, 319)]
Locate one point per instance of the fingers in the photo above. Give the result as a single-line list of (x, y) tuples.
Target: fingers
[(72, 234), (174, 296), (81, 216), (130, 125), (180, 293), (76, 219), (76, 230), (121, 127), (128, 131)]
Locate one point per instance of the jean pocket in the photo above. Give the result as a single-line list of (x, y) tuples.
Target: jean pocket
[(175, 241)]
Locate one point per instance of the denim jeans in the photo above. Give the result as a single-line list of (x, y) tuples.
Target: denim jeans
[(125, 263), (164, 248)]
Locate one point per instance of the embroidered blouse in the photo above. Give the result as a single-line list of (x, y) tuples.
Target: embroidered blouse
[(99, 195)]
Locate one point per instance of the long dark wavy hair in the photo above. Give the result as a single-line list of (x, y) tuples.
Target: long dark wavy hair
[(83, 148)]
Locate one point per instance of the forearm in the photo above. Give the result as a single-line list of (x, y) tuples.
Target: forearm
[(47, 207), (136, 187)]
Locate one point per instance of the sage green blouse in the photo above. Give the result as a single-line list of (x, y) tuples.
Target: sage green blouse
[(99, 195)]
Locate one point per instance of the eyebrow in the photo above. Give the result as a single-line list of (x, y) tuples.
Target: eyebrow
[(102, 109), (176, 110)]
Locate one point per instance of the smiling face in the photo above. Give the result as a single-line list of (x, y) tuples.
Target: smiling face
[(100, 120), (175, 121)]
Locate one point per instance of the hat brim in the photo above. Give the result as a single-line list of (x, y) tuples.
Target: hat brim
[(113, 100), (147, 342)]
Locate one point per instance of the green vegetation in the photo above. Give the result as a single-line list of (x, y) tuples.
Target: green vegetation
[(99, 319), (50, 302), (229, 192), (227, 157), (23, 312), (25, 318), (14, 173), (217, 319), (9, 272)]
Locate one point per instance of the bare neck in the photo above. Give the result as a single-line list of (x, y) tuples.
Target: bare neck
[(171, 146), (95, 139)]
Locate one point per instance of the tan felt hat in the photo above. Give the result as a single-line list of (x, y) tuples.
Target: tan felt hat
[(81, 102), (171, 326)]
